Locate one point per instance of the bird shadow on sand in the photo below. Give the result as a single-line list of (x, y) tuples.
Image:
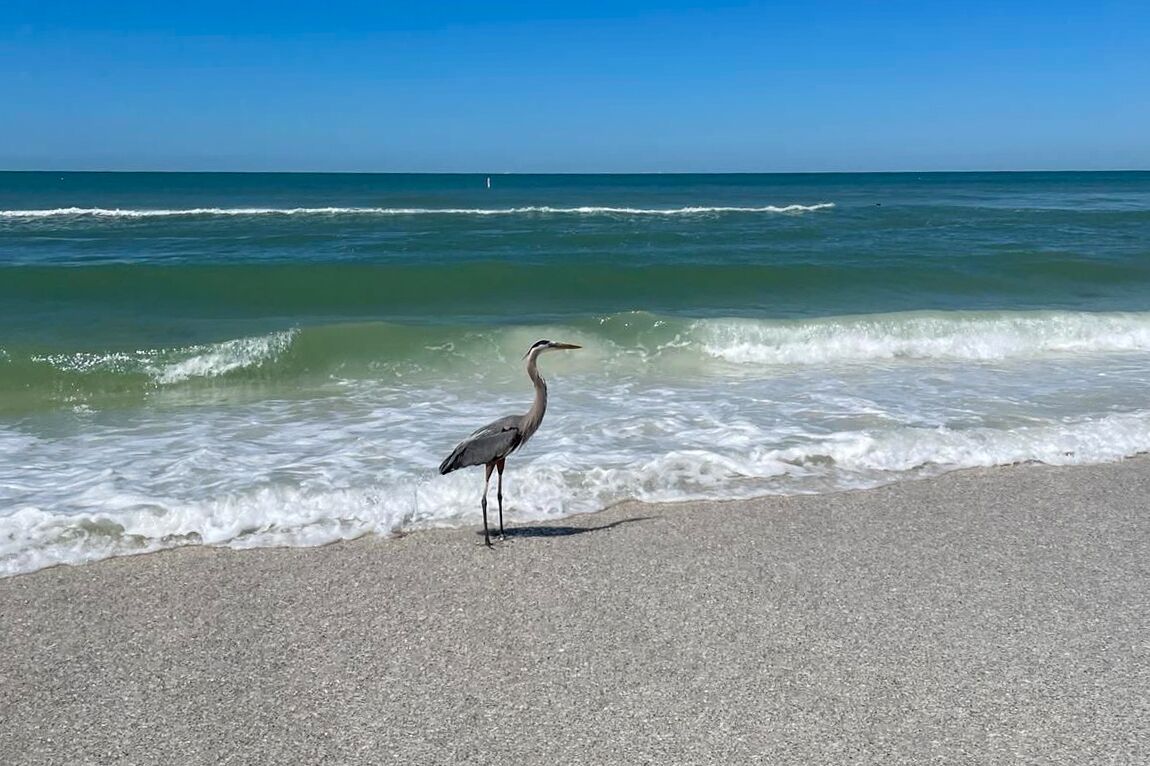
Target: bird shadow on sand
[(559, 531)]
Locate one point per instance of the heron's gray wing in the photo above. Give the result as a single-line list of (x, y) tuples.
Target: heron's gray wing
[(509, 423), (492, 442)]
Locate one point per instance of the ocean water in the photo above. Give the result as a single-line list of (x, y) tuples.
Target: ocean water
[(280, 359)]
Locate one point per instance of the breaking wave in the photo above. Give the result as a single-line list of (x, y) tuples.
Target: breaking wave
[(113, 521), (97, 212), (349, 421), (923, 335), (635, 344)]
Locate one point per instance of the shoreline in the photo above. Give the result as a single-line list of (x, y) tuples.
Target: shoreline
[(532, 528), (985, 615)]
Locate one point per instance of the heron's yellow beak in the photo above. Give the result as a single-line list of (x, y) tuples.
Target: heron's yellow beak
[(564, 345)]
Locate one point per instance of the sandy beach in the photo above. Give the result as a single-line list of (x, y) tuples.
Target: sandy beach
[(987, 616)]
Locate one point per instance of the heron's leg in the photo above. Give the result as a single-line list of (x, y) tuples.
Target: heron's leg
[(486, 481), (499, 494)]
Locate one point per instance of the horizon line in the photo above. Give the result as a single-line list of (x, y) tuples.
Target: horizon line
[(582, 173)]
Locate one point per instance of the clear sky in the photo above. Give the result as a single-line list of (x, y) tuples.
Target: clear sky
[(620, 86)]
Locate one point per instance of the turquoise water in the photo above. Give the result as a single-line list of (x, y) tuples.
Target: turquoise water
[(253, 359)]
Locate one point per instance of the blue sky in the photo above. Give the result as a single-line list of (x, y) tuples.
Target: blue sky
[(574, 87)]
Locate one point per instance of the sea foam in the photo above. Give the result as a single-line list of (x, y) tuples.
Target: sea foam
[(922, 335), (222, 358), (590, 210), (541, 486), (654, 408), (635, 344)]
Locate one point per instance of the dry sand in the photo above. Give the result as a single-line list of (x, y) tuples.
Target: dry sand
[(987, 617)]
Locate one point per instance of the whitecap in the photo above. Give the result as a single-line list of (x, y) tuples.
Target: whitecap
[(96, 212)]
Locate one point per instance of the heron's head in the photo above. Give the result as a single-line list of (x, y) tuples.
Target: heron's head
[(540, 346)]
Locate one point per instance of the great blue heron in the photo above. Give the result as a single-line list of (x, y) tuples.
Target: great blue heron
[(490, 445)]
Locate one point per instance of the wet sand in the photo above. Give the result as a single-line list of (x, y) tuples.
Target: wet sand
[(992, 616)]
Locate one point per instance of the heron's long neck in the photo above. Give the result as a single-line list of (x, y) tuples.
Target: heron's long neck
[(534, 415)]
